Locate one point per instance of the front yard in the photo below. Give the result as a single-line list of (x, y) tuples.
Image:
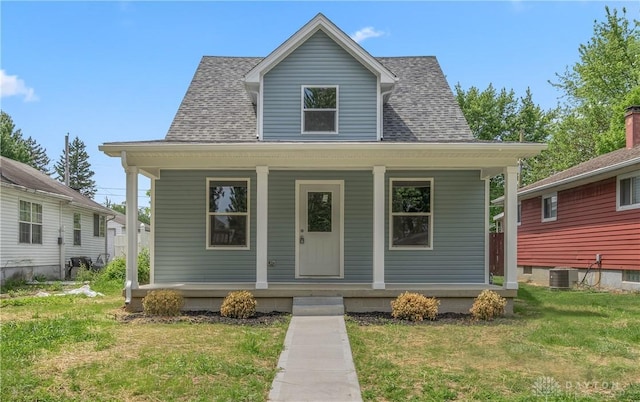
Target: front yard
[(561, 345)]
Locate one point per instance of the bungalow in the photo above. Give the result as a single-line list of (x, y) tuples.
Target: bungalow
[(320, 170), (586, 218), (45, 224)]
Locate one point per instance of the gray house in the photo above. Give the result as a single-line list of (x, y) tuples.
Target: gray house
[(320, 170)]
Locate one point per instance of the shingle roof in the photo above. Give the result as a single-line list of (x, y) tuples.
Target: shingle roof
[(20, 174), (217, 108), (591, 167)]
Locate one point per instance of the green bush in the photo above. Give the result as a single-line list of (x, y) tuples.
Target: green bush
[(162, 302), (488, 305), (116, 270), (414, 307), (239, 304)]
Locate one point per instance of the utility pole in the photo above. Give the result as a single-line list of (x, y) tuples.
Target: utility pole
[(66, 160)]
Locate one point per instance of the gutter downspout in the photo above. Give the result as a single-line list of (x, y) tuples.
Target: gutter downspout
[(383, 94), (61, 246)]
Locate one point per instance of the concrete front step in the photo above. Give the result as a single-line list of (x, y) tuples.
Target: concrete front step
[(317, 306)]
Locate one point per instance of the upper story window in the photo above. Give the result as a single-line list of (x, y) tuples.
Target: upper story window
[(629, 191), (228, 213), (549, 207), (411, 220), (77, 229), (99, 225), (30, 220), (320, 109)]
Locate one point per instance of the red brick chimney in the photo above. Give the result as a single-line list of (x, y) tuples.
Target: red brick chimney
[(632, 125)]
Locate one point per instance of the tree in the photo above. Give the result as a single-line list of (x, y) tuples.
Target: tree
[(501, 116), (13, 146), (38, 156), (596, 90), (80, 173), (144, 213)]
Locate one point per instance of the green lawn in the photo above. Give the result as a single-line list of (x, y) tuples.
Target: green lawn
[(71, 348), (560, 345)]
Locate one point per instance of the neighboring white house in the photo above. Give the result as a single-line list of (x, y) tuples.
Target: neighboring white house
[(44, 224), (117, 235)]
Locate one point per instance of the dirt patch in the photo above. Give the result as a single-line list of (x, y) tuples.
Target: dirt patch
[(202, 317)]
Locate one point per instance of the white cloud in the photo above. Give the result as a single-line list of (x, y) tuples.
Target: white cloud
[(366, 33), (11, 85)]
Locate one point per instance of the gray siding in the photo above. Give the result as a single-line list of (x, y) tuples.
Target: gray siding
[(320, 61), (358, 228), (458, 233), (180, 231)]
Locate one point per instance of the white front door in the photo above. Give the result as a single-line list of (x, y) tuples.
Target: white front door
[(319, 229)]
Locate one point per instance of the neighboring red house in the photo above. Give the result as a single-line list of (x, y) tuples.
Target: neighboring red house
[(585, 217)]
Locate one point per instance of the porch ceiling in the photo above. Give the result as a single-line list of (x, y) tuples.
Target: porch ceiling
[(152, 157)]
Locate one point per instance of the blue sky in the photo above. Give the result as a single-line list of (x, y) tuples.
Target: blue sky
[(117, 71)]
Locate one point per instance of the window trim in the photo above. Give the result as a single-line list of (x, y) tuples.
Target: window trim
[(544, 197), (336, 109), (430, 214), (635, 173), (31, 222), (519, 213), (79, 229), (102, 225), (208, 214)]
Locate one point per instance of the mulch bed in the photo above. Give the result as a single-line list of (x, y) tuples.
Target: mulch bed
[(266, 319), (380, 318)]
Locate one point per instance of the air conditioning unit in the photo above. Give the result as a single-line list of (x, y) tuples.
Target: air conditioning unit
[(562, 278)]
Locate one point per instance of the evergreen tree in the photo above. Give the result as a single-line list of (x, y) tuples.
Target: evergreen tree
[(12, 146), (80, 173), (38, 156)]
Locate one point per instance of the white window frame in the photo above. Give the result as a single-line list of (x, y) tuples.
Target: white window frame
[(102, 225), (519, 213), (336, 109), (77, 229), (429, 214), (31, 222), (625, 176), (549, 196), (209, 214)]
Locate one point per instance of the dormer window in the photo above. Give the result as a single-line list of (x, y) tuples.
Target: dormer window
[(319, 109)]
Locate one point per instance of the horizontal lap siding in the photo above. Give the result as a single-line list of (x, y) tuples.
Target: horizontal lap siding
[(180, 231), (459, 233), (16, 254), (587, 224), (320, 61), (358, 229)]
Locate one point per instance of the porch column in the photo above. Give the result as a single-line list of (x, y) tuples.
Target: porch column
[(262, 195), (132, 230), (510, 227), (378, 227)]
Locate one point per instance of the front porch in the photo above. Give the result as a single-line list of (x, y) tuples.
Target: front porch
[(358, 298)]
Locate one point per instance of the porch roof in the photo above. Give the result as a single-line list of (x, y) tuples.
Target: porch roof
[(152, 156)]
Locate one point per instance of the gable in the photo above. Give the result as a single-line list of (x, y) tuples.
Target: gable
[(320, 61)]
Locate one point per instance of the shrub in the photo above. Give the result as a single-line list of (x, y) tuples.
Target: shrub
[(414, 307), (162, 302), (239, 304), (116, 270), (488, 305)]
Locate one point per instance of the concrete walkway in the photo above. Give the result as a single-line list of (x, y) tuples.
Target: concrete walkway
[(316, 363)]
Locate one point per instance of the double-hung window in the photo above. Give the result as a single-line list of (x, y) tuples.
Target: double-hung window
[(30, 222), (629, 191), (411, 213), (99, 225), (549, 207), (320, 109), (228, 213), (77, 229)]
